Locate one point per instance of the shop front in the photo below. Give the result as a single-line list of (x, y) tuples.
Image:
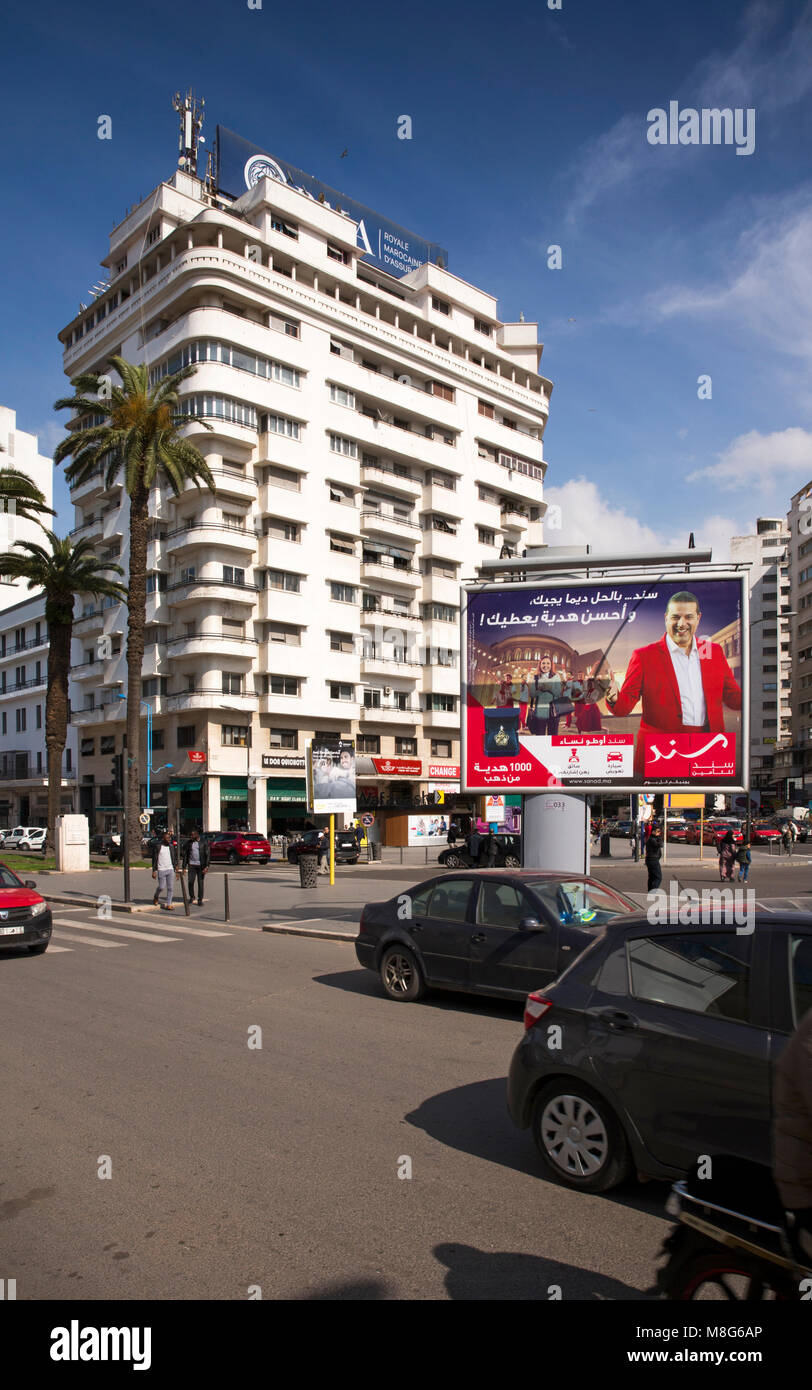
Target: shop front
[(188, 802), (287, 804)]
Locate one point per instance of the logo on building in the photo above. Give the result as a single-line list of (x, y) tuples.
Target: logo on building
[(261, 166)]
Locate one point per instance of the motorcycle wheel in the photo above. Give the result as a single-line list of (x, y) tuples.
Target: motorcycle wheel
[(722, 1275)]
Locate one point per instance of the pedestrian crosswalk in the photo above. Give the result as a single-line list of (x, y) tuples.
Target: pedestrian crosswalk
[(75, 929)]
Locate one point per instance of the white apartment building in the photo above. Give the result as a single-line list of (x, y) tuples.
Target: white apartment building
[(373, 439), (770, 658), (794, 761), (21, 451), (23, 688)]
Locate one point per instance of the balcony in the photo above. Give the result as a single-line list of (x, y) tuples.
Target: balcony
[(187, 591), (209, 697), (31, 645), (514, 521), (438, 589), (491, 473), (441, 719), (444, 545), (389, 524), (229, 483), (381, 436), (91, 484), (284, 606), (394, 618), (208, 534), (87, 670), (379, 665), (391, 714), (442, 680), (395, 394), (389, 571), (89, 622), (382, 472), (284, 659), (291, 504), (211, 643), (6, 692), (113, 524), (89, 531)]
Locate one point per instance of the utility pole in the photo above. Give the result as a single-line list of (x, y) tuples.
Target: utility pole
[(125, 777)]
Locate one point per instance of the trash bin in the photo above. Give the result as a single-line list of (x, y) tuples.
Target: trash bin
[(376, 850), (606, 846), (308, 870)]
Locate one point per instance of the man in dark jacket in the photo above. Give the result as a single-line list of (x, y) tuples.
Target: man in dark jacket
[(792, 1134), (653, 853), (195, 858), (164, 868)]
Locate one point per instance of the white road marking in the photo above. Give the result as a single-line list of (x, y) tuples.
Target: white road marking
[(51, 947), (176, 926), (113, 931), (88, 941)]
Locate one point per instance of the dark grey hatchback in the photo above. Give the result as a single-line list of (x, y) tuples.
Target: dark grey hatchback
[(657, 1046), (488, 931)]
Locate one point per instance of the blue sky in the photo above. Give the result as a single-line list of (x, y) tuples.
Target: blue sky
[(529, 130)]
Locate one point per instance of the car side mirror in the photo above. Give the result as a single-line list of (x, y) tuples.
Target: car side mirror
[(29, 883), (530, 924)]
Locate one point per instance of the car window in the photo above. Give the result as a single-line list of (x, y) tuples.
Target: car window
[(8, 879), (420, 902), (612, 976), (502, 905), (252, 837), (571, 900), (705, 973), (800, 948), (449, 900)]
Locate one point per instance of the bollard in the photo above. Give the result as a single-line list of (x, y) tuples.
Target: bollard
[(401, 854), (606, 847), (376, 851), (182, 878), (225, 895), (308, 870)]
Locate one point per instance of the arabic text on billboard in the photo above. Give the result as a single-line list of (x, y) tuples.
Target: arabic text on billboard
[(628, 684), (241, 165)]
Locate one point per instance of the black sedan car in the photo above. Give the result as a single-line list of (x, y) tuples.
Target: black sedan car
[(25, 917), (658, 1044), (487, 931), (347, 850), (508, 853)]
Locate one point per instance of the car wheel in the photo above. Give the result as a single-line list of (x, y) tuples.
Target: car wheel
[(580, 1141), (233, 857), (452, 861), (512, 861), (291, 857), (38, 950), (400, 975)]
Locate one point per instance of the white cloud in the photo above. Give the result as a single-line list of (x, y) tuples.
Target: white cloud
[(589, 518), (776, 463)]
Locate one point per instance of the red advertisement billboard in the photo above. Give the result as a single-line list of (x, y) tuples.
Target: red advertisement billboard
[(632, 684)]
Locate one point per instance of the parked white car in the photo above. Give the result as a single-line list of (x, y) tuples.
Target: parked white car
[(15, 837), (34, 838)]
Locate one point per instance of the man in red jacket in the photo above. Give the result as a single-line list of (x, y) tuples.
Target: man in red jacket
[(685, 685)]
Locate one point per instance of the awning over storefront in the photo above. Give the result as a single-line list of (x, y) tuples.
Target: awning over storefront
[(186, 784), (233, 788), (287, 789)]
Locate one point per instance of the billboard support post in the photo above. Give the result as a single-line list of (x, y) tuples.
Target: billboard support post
[(556, 832)]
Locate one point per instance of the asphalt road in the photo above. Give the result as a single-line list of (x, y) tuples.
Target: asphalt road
[(276, 1166)]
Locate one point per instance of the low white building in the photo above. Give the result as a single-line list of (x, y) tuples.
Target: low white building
[(21, 451), (23, 688)]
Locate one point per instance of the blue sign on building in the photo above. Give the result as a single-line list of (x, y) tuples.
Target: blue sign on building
[(240, 165)]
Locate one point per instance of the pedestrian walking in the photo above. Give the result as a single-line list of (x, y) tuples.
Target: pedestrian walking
[(453, 834), (164, 865), (653, 856), (727, 855), (744, 858), (195, 860), (487, 850), (322, 846), (786, 837)]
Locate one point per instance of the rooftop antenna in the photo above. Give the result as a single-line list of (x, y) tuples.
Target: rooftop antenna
[(191, 115), (691, 542)]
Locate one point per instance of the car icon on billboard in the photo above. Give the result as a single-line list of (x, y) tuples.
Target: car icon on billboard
[(614, 757)]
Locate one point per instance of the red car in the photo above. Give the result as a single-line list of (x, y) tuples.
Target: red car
[(25, 917), (239, 846), (764, 833), (677, 831), (714, 832)]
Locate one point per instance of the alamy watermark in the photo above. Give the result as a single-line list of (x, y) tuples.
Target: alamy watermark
[(710, 126), (712, 906)]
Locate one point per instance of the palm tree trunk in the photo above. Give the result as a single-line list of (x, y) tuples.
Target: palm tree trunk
[(136, 619), (56, 714)]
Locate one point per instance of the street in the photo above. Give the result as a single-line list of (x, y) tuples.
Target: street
[(234, 1166)]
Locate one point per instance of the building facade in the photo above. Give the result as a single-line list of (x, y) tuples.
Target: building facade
[(794, 760), (23, 688), (21, 451), (767, 552), (372, 439)]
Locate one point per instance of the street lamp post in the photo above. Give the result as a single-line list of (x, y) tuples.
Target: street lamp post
[(148, 707)]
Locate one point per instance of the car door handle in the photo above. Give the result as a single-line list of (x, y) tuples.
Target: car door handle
[(478, 937), (414, 928), (618, 1021)]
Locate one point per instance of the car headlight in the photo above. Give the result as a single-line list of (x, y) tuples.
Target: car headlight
[(38, 909)]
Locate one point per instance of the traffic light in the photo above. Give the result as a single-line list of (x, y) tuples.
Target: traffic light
[(117, 769)]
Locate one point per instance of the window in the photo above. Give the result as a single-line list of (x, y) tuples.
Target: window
[(279, 424), (39, 761), (445, 703), (284, 632), (156, 685), (284, 685), (406, 747), (800, 949), (480, 326), (372, 699), (188, 575), (437, 388), (484, 536), (339, 493), (280, 579), (341, 690), (342, 642), (156, 583), (342, 544), (283, 477), (232, 684), (4, 723), (486, 410), (440, 306), (336, 254), (87, 747), (340, 445), (185, 737), (704, 973), (440, 612), (235, 736), (503, 905), (279, 224), (20, 720), (369, 743), (39, 716), (282, 530), (342, 593), (231, 575), (283, 738), (290, 327), (341, 396), (449, 900), (157, 740), (152, 236), (400, 699), (120, 266), (441, 747), (107, 743)]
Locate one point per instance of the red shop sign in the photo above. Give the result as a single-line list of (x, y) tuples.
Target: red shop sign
[(197, 757), (449, 771), (398, 767)]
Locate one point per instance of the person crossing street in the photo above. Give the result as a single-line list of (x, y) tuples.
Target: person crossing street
[(195, 858), (164, 867)]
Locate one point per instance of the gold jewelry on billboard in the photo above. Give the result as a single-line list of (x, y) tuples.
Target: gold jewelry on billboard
[(501, 737)]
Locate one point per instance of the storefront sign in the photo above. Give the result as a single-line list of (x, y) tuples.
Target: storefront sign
[(294, 760), (398, 767), (447, 771), (196, 757)]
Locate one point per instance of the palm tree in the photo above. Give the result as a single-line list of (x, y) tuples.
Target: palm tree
[(132, 429), (61, 572), (19, 495)]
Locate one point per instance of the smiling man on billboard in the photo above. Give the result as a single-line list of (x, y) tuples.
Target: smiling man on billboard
[(685, 684)]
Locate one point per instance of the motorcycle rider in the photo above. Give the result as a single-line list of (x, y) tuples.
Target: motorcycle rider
[(792, 1135)]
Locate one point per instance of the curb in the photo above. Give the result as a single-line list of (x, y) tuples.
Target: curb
[(94, 902), (312, 931)]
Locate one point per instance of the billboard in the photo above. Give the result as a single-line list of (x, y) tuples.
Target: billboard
[(331, 776), (240, 165), (428, 829), (630, 684)]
